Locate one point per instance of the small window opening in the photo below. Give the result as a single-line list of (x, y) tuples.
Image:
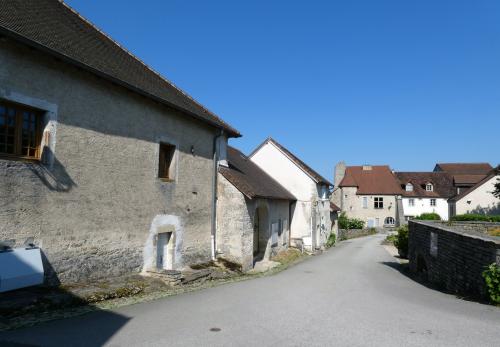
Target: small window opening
[(378, 203), (166, 167)]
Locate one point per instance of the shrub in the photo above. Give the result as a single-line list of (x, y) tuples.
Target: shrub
[(350, 223), (428, 216), (492, 278), (401, 241), (475, 218), (331, 240), (391, 239)]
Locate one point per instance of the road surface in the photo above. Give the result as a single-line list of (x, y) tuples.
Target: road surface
[(352, 295)]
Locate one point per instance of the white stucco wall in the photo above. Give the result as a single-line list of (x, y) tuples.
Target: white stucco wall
[(480, 200), (423, 205), (311, 215)]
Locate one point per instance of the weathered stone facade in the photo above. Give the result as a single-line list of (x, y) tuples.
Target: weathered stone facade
[(236, 215), (92, 207), (453, 256)]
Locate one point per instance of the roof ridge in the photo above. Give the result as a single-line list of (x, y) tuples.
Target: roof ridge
[(94, 26)]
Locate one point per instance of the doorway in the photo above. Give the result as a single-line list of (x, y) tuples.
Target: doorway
[(260, 233), (164, 251)]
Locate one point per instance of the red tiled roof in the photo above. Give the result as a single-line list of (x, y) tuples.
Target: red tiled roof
[(467, 179), (334, 207), (464, 168), (491, 174), (377, 180), (442, 184)]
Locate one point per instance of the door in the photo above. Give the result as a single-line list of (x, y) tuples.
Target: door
[(370, 223), (162, 251), (256, 234)]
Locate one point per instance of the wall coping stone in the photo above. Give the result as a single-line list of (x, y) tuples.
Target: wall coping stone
[(467, 233)]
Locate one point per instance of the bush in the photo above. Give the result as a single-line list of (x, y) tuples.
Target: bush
[(428, 216), (331, 240), (401, 241), (391, 239), (492, 278), (350, 223), (475, 218)]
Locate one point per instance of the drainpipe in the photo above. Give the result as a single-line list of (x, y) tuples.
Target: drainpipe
[(214, 194)]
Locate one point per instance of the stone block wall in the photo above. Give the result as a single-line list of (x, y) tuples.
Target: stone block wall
[(452, 256)]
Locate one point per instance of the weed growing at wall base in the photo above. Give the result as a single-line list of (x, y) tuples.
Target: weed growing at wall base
[(492, 278)]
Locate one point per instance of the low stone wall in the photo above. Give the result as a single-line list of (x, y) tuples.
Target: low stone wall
[(345, 234), (453, 256)]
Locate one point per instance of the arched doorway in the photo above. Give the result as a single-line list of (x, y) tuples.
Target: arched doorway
[(260, 232)]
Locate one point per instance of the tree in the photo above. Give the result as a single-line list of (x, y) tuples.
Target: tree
[(496, 191)]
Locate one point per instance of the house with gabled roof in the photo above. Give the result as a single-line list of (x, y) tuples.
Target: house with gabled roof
[(253, 212), (310, 214), (478, 198), (369, 192), (425, 192), (106, 166), (465, 175)]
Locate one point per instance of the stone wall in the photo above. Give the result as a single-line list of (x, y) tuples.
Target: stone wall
[(235, 225), (453, 256), (94, 211)]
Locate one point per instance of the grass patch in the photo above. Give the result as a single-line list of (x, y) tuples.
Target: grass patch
[(494, 232), (287, 257)]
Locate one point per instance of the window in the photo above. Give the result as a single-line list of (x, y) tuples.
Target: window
[(389, 221), (409, 187), (20, 131), (411, 202), (365, 202), (428, 187), (379, 202), (433, 202), (166, 167)]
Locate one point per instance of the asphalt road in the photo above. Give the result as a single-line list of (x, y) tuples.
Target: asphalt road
[(352, 295)]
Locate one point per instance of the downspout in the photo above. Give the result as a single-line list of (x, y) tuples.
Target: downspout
[(214, 195)]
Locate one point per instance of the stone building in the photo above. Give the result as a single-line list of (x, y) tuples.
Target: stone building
[(103, 162), (253, 212), (369, 193), (310, 216)]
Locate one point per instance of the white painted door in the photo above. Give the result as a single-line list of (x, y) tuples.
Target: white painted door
[(162, 251), (370, 223)]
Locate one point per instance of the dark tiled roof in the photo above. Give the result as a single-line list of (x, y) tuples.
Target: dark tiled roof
[(371, 180), (467, 179), (442, 184), (491, 174), (334, 207), (464, 168), (250, 179), (53, 27), (303, 166)]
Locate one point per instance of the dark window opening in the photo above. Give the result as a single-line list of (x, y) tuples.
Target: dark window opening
[(166, 169), (379, 203), (20, 131)]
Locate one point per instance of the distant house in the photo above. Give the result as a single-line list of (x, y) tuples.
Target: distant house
[(310, 214), (105, 165), (465, 175), (479, 197), (370, 193), (425, 192), (253, 212)]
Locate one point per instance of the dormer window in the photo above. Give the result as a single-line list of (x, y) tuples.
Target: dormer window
[(429, 187), (409, 187)]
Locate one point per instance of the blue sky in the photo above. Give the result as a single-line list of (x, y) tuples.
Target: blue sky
[(398, 82)]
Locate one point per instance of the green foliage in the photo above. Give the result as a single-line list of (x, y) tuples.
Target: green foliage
[(391, 239), (475, 218), (401, 241), (331, 240), (350, 223), (428, 216), (496, 191), (492, 278)]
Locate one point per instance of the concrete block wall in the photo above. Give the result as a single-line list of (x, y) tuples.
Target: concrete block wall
[(452, 257)]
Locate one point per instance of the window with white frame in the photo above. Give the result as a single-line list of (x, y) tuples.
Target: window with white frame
[(433, 202), (390, 221), (378, 202), (409, 187), (365, 202), (411, 202), (429, 187)]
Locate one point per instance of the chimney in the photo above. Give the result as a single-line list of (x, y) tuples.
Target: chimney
[(339, 173), (367, 167)]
